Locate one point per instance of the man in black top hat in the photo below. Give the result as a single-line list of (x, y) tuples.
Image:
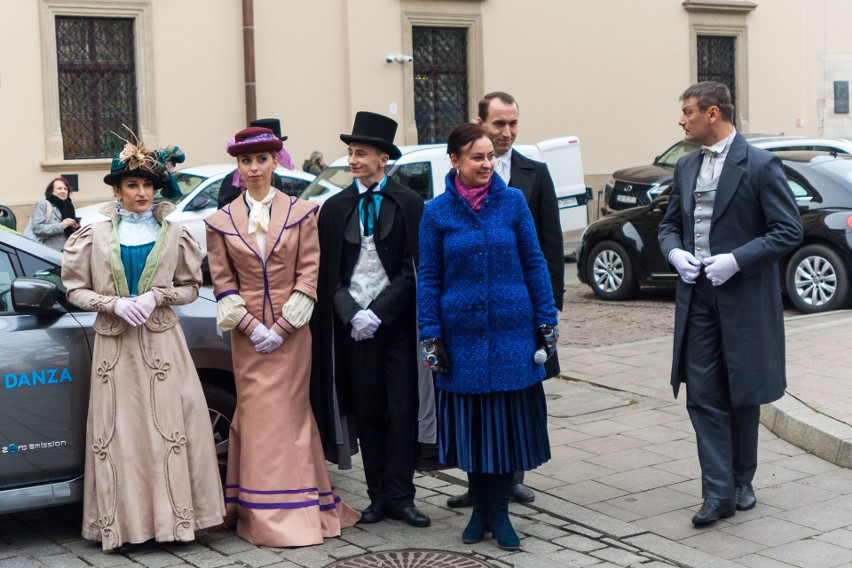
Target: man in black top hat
[(229, 190), (365, 327)]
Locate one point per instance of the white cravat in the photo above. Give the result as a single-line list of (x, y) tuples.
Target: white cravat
[(259, 216), (708, 166), (504, 166)]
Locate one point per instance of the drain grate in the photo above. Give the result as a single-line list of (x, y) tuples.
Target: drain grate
[(409, 559)]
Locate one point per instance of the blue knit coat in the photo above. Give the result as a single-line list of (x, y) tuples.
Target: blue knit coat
[(483, 288)]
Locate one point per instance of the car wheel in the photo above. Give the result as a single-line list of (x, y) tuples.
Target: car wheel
[(221, 405), (817, 280), (610, 272)]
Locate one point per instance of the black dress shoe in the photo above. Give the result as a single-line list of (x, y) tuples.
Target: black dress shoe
[(126, 548), (373, 514), (460, 501), (411, 515), (714, 509), (522, 494), (745, 497)]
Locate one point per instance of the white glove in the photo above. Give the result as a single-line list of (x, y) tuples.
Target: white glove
[(272, 342), (720, 268), (258, 334), (129, 311), (146, 302), (360, 335), (298, 309), (365, 321), (686, 265)]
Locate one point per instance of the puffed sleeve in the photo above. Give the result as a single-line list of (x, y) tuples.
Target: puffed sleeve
[(224, 277), (307, 268), (77, 273), (187, 278)]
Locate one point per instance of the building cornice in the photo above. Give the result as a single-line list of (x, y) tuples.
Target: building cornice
[(720, 6)]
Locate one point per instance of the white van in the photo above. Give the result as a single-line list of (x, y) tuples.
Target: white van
[(423, 169)]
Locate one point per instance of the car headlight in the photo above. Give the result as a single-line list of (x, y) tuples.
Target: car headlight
[(656, 189)]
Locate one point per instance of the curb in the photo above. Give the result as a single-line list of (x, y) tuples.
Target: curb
[(794, 421)]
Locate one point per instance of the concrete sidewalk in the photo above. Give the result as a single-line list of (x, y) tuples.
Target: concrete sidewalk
[(620, 489)]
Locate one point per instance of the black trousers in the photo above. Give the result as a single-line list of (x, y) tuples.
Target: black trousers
[(385, 399), (726, 434)]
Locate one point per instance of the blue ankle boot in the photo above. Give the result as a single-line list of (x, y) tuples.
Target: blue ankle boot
[(499, 493), (478, 489)]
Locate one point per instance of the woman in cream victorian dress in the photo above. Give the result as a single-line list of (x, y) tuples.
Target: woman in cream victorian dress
[(151, 469), (263, 251)]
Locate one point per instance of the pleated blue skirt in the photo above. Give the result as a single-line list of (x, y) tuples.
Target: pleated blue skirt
[(499, 432)]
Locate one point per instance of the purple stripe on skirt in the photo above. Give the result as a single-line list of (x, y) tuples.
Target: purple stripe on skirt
[(296, 505)]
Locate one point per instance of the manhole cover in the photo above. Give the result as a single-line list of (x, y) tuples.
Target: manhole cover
[(409, 559)]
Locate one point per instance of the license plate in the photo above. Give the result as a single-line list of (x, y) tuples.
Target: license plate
[(567, 202), (630, 199)]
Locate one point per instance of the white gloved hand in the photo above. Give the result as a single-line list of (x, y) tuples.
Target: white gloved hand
[(271, 342), (298, 309), (360, 335), (258, 334), (720, 268), (146, 302), (129, 311), (686, 265), (365, 321)]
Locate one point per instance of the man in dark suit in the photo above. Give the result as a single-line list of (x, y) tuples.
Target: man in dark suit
[(365, 328), (730, 217), (498, 115)]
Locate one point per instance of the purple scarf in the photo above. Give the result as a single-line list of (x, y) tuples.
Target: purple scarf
[(474, 196)]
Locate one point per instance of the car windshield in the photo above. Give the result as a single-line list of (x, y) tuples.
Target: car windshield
[(839, 169), (340, 176), (672, 155), (186, 183)]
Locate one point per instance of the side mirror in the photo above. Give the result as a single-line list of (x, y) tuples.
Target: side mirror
[(33, 296), (200, 202)]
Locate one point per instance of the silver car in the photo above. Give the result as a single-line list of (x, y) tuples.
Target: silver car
[(45, 363)]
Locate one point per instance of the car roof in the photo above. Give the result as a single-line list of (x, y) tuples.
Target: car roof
[(29, 246), (810, 156), (211, 170)]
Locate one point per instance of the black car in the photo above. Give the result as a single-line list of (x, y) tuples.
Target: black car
[(619, 253), (636, 186)]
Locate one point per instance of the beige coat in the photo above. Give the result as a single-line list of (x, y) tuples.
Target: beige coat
[(151, 469), (277, 491)]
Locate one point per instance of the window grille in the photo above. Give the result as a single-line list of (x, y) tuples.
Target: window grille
[(97, 84), (717, 61), (440, 81)]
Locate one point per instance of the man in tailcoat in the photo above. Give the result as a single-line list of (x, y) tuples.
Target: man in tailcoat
[(366, 327), (498, 114), (730, 217)]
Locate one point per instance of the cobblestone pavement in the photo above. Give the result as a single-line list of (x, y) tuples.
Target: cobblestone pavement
[(619, 490)]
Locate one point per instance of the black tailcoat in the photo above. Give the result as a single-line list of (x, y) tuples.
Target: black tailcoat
[(755, 217), (533, 179), (396, 240)]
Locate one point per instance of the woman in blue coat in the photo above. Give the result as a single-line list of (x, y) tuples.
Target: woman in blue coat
[(485, 305)]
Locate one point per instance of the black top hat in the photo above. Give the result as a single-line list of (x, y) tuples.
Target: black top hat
[(272, 124), (376, 130)]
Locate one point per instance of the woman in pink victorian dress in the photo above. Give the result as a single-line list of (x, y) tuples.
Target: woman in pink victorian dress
[(263, 251)]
